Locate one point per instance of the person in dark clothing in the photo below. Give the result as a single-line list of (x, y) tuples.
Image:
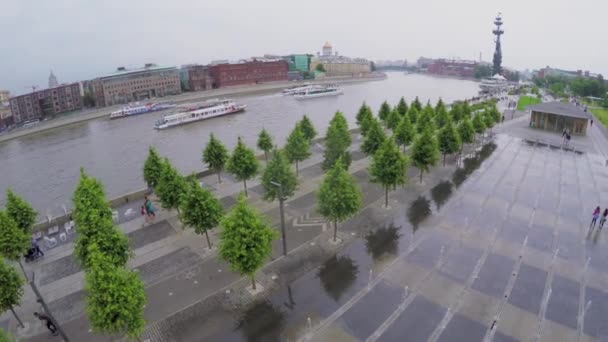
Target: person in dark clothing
[(49, 324), (594, 217), (603, 219), (36, 247)]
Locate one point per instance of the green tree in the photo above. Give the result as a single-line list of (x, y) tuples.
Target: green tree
[(393, 119), (243, 164), (20, 211), (278, 171), (374, 138), (308, 129), (200, 209), (389, 167), (456, 112), (6, 337), (115, 298), (413, 113), (482, 71), (171, 186), (405, 132), (466, 109), (320, 68), (416, 104), (11, 289), (88, 100), (153, 167), (449, 140), (297, 148), (495, 113), (425, 120), (479, 124), (384, 111), (265, 143), (339, 197), (488, 118), (364, 113), (245, 239), (106, 239), (14, 242), (402, 106), (216, 156), (439, 106), (466, 131), (425, 151), (441, 115), (337, 141)]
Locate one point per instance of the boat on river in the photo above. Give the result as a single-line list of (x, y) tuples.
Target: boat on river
[(319, 91), (494, 84), (136, 109), (221, 107), (298, 89)]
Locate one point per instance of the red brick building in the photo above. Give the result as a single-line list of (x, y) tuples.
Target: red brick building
[(248, 72), (452, 67), (46, 103)]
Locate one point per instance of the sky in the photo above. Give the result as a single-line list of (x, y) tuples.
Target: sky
[(82, 39)]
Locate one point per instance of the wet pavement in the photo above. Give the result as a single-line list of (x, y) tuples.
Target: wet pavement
[(500, 250)]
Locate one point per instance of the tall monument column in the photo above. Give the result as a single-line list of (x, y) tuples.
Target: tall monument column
[(497, 60)]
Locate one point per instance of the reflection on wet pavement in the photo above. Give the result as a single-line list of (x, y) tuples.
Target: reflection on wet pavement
[(337, 275), (419, 210), (382, 241), (441, 193)]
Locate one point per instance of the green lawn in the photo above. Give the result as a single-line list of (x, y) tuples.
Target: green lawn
[(526, 101), (602, 114)]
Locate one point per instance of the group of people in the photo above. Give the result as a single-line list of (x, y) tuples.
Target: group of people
[(147, 210), (596, 215)]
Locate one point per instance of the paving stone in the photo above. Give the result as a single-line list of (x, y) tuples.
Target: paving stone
[(370, 312), (595, 317), (150, 234), (313, 171), (303, 203), (569, 245), (428, 252), (167, 265), (58, 269), (541, 238), (228, 202), (417, 322), (529, 287), (494, 275), (460, 263), (461, 328), (563, 303), (69, 307), (500, 337)]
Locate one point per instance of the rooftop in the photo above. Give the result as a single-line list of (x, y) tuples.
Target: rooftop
[(561, 108), (121, 71)]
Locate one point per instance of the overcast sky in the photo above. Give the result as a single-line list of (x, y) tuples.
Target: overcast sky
[(81, 39)]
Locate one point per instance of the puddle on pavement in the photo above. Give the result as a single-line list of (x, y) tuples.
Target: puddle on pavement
[(383, 241), (337, 274), (418, 211), (441, 192), (472, 163)]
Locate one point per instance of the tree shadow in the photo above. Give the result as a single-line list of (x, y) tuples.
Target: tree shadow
[(418, 211), (441, 193), (337, 275), (262, 322), (382, 241)]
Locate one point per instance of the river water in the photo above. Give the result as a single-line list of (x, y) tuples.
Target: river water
[(44, 167)]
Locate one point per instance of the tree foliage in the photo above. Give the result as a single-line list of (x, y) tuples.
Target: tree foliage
[(20, 211), (449, 140), (425, 120), (14, 242), (402, 106), (413, 113), (374, 138), (337, 142), (11, 287), (389, 167), (479, 124), (264, 143), (466, 109), (456, 112), (320, 68), (153, 167), (243, 164), (308, 129), (115, 298), (339, 197), (89, 203), (215, 155), (393, 119), (482, 71), (466, 131), (425, 151), (488, 118), (171, 186), (416, 104), (278, 171), (364, 114), (245, 239), (441, 115), (200, 209), (385, 110), (405, 132), (297, 148)]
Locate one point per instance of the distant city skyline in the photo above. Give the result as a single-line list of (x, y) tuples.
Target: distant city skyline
[(80, 43)]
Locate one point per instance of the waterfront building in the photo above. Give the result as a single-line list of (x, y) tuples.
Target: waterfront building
[(53, 80), (423, 62), (195, 77), (248, 72), (548, 71), (5, 95), (452, 67), (336, 65), (6, 117), (129, 85), (301, 62), (555, 116), (42, 104)]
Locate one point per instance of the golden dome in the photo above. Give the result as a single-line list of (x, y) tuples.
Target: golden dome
[(327, 45)]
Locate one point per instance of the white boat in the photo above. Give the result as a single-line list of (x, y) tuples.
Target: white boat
[(494, 84), (297, 89), (222, 107), (136, 109), (318, 92)]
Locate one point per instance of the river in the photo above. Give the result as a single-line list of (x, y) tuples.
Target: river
[(44, 167)]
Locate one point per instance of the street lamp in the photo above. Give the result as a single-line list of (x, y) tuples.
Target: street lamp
[(280, 186)]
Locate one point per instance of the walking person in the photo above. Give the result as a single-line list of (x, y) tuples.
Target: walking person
[(591, 123), (47, 320), (149, 209), (603, 219), (595, 215), (36, 247)]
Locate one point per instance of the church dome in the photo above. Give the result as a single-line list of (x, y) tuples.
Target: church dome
[(327, 45)]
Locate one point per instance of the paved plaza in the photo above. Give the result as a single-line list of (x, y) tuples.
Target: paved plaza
[(496, 247)]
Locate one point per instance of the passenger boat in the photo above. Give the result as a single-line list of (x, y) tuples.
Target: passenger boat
[(297, 89), (222, 107), (318, 92), (137, 109), (494, 84)]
